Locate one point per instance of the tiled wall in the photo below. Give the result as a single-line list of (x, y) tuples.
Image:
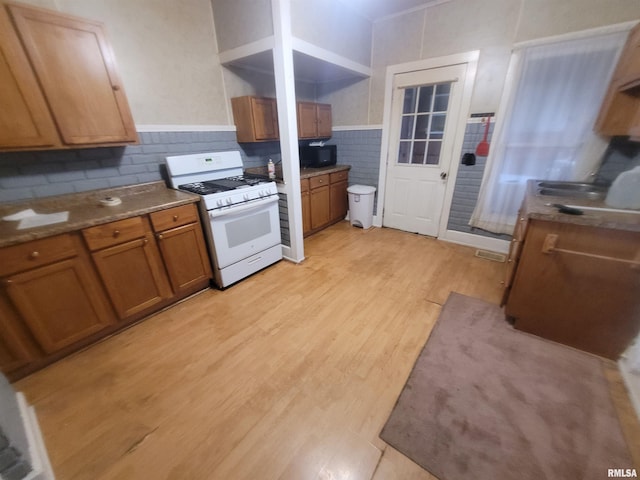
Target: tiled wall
[(468, 181), (25, 175), (284, 219), (361, 150)]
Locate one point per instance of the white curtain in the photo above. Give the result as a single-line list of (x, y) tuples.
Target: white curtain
[(544, 129)]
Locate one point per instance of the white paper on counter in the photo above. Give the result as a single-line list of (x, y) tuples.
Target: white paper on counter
[(20, 215), (41, 219)]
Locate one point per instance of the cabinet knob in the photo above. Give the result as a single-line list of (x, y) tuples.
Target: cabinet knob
[(116, 233), (8, 282), (33, 255), (145, 241), (160, 237), (175, 218)]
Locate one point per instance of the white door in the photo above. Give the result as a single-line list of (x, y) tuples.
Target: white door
[(425, 110)]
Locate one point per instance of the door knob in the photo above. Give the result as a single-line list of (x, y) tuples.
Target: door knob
[(443, 175)]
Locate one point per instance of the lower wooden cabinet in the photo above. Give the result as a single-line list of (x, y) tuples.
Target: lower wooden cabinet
[(133, 275), (60, 303), (61, 293), (576, 284), (320, 201), (17, 349), (324, 200), (182, 247), (51, 300)]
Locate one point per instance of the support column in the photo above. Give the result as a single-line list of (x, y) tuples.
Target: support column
[(287, 120)]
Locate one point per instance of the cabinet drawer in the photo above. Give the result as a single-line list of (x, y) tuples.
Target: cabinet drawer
[(33, 254), (318, 181), (113, 233), (339, 176), (304, 185), (174, 217)]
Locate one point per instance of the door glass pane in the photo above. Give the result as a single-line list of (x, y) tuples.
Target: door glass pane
[(418, 152), (433, 153), (442, 97), (404, 151), (426, 94), (423, 122), (422, 126), (409, 100), (437, 126), (406, 131)]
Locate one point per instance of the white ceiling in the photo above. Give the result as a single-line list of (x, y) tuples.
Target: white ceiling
[(376, 9), (312, 69)]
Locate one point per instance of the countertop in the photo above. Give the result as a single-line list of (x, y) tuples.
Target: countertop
[(86, 211), (534, 206), (304, 172)]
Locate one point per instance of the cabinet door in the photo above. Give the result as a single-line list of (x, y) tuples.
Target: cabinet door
[(320, 211), (307, 120), (185, 256), (620, 110), (15, 350), (133, 275), (76, 70), (265, 118), (24, 117), (324, 120), (59, 303), (339, 200), (585, 295)]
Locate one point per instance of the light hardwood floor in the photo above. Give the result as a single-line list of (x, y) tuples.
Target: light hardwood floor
[(289, 374)]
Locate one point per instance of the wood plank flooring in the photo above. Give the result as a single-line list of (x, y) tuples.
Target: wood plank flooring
[(289, 374)]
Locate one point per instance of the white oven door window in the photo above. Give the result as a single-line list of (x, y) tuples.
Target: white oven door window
[(239, 235)]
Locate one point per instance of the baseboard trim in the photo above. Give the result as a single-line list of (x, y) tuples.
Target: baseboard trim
[(477, 241)]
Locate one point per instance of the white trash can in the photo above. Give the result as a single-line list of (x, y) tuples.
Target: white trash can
[(361, 205)]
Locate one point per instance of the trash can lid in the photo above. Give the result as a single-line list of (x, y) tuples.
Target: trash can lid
[(361, 189)]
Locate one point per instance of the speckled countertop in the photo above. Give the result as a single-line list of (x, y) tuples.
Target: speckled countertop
[(535, 207), (85, 209), (304, 172)]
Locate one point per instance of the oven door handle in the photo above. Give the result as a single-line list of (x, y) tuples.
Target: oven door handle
[(243, 208)]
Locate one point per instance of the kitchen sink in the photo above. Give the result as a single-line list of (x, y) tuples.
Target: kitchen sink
[(571, 189)]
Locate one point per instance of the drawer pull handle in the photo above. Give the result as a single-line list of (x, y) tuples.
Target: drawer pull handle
[(116, 233), (175, 218), (33, 255), (551, 240), (8, 282)]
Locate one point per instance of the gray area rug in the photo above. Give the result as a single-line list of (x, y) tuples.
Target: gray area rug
[(487, 402)]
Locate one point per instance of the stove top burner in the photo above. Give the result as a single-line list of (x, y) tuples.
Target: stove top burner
[(224, 184)]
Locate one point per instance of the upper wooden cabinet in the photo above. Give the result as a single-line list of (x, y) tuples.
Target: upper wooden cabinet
[(58, 83), (314, 120), (256, 119), (620, 111)]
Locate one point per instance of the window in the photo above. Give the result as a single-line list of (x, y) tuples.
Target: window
[(546, 129)]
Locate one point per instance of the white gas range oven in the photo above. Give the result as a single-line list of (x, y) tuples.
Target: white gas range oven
[(239, 212)]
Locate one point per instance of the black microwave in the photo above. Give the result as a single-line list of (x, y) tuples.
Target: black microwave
[(315, 156)]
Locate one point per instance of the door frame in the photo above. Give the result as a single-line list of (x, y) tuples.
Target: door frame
[(471, 59)]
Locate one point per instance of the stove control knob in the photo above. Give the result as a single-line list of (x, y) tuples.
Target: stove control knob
[(246, 197), (219, 203), (229, 201)]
